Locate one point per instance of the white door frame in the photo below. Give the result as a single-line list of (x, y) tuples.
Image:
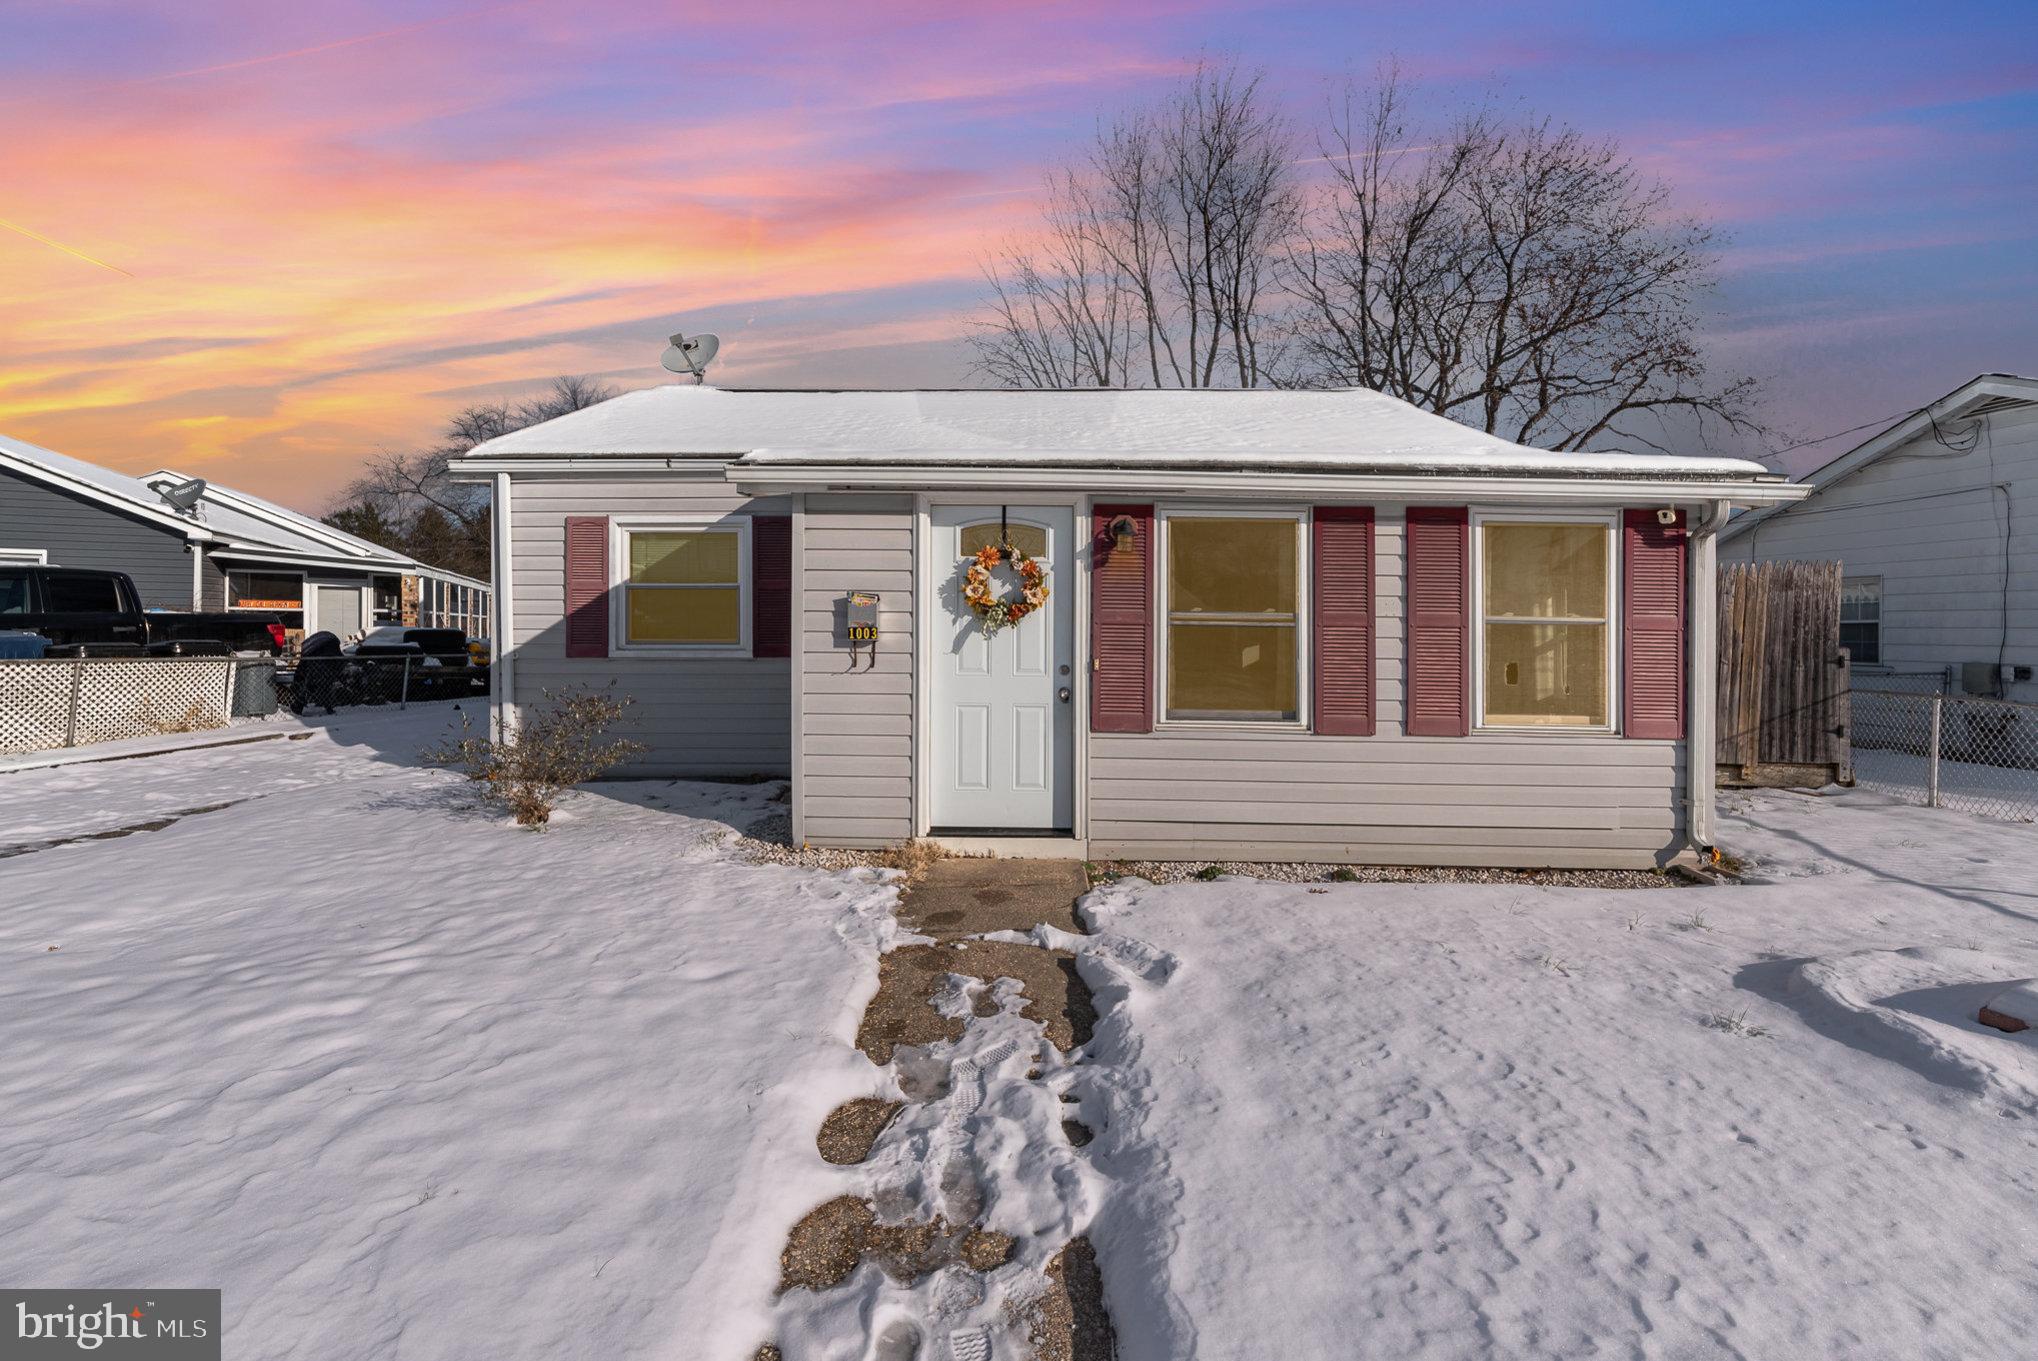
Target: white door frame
[(928, 576)]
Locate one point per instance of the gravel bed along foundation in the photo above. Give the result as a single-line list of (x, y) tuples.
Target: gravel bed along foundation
[(1182, 871)]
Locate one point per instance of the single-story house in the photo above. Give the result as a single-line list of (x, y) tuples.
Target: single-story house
[(1320, 626), (1935, 521), (226, 551)]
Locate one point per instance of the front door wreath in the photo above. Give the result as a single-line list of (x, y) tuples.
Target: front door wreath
[(996, 610)]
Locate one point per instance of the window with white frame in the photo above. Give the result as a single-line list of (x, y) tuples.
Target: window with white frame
[(1233, 638), (1861, 619), (684, 585), (1545, 626)]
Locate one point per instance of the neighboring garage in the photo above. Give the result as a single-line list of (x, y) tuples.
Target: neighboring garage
[(226, 550)]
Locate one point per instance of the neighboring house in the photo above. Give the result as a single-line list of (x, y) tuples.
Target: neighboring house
[(1936, 523), (229, 551), (1317, 626)]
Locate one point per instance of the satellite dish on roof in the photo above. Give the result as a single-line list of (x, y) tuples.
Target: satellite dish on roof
[(691, 355), (183, 496)]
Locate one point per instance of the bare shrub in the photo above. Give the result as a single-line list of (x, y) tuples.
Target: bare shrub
[(1736, 1023), (560, 743)]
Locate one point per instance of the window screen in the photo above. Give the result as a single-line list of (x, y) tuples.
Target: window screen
[(1234, 641), (684, 587), (1544, 622)]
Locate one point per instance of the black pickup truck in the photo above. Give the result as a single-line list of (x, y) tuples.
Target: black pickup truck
[(72, 606)]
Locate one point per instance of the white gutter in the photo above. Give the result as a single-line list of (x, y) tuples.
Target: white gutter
[(1701, 750), (503, 670), (283, 557), (590, 465), (197, 574), (1418, 488)]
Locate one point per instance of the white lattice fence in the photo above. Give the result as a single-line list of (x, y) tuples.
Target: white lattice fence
[(46, 704)]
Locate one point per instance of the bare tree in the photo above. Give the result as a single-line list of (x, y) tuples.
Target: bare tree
[(407, 500), (1160, 251), (1524, 279)]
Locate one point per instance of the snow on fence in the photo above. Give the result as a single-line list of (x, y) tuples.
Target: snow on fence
[(1974, 755), (70, 703)]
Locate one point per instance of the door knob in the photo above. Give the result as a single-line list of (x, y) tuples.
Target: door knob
[(1063, 694)]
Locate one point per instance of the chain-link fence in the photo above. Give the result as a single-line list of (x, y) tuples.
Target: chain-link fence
[(1935, 682), (46, 705), (337, 682), (1975, 755)]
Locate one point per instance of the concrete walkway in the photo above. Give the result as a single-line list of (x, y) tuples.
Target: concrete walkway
[(961, 898), (975, 1087)]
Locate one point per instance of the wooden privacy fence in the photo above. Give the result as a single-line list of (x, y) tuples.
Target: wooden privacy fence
[(1783, 677)]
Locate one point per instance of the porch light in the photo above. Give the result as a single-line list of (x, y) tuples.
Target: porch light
[(1123, 532)]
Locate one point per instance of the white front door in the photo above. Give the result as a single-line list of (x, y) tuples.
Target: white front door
[(1004, 703)]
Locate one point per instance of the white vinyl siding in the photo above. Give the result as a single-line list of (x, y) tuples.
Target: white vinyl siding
[(713, 715), (856, 727), (1953, 538)]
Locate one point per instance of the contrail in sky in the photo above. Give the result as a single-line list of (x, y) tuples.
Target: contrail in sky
[(58, 245)]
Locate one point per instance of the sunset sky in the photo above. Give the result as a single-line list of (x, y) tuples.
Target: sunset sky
[(260, 241)]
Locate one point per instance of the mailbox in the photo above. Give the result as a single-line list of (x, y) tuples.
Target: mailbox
[(861, 617)]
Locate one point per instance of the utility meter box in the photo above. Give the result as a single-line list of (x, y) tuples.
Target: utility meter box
[(860, 614)]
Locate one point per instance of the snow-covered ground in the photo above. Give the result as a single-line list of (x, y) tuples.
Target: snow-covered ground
[(405, 1081), (1451, 1122), (401, 1079)]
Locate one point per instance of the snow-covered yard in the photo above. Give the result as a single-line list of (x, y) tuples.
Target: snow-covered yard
[(404, 1080), (1420, 1122)]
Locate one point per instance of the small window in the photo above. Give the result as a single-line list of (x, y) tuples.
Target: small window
[(1861, 619), (264, 591), (684, 587), (81, 594), (1234, 641), (1544, 624), (13, 592), (1030, 540)]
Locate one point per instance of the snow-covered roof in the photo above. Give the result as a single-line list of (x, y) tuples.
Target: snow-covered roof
[(229, 522), (245, 517), (1342, 430)]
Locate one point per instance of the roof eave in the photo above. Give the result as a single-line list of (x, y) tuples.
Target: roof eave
[(1972, 393), (1386, 485)]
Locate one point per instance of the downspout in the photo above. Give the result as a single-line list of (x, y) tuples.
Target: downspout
[(503, 669), (1701, 747), (197, 574)]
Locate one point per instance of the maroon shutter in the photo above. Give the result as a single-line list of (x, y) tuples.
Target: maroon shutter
[(771, 585), (1652, 625), (1439, 621), (587, 586), (1121, 622), (1342, 598)]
